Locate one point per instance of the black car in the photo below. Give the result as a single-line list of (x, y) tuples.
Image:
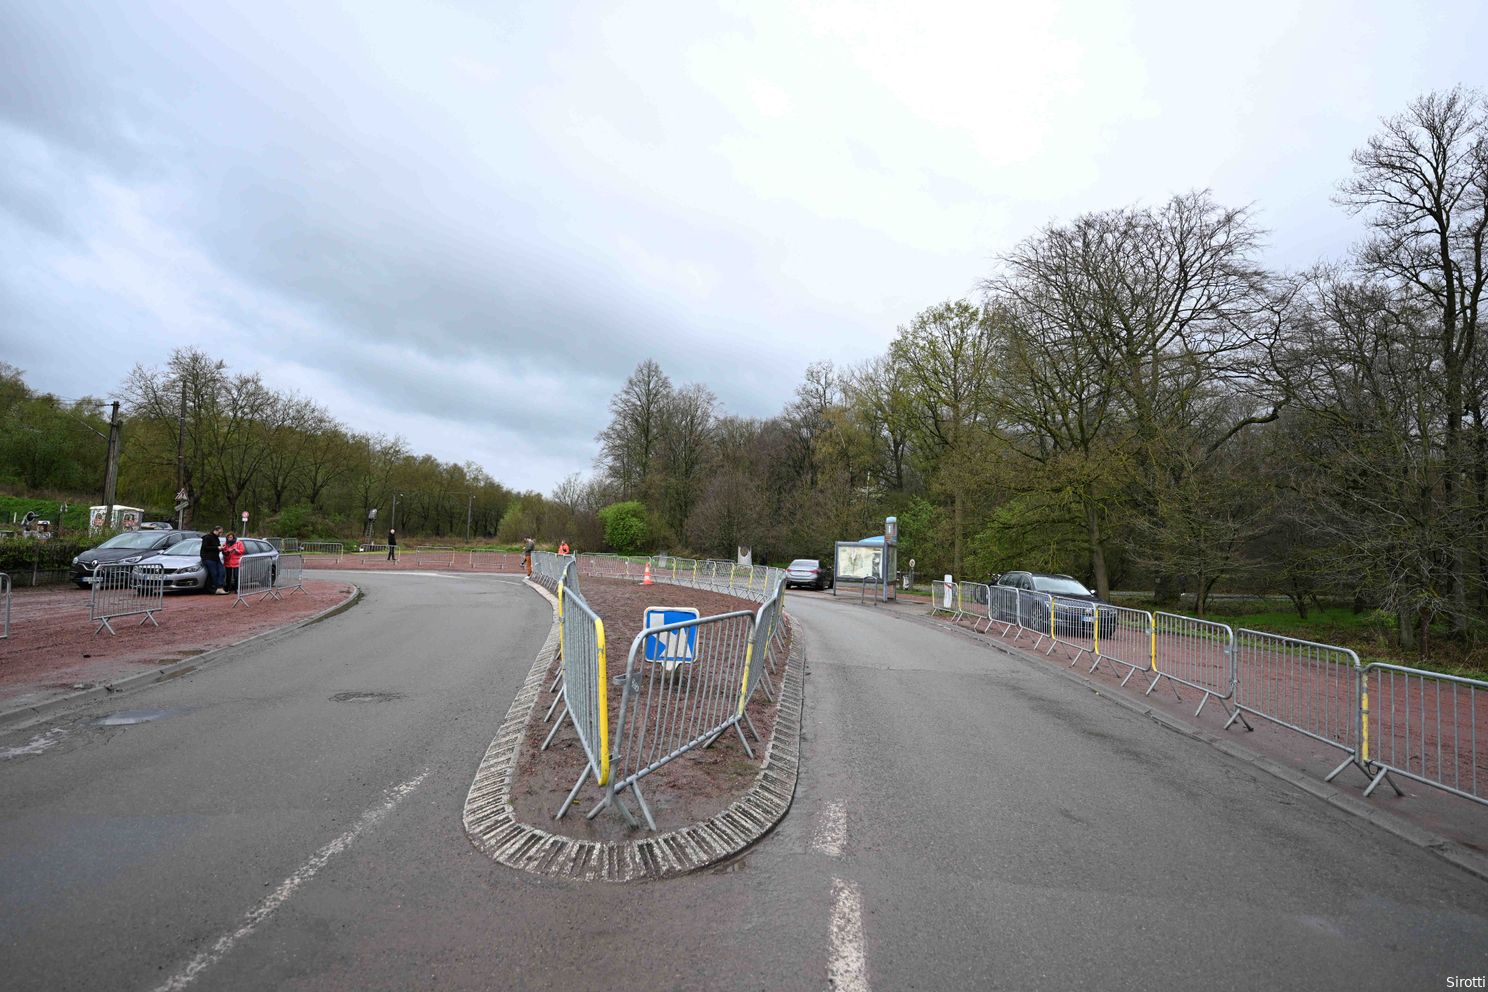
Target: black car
[(125, 549), (1075, 607)]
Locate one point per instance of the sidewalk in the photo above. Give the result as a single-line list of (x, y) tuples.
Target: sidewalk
[(1424, 815), (53, 652)]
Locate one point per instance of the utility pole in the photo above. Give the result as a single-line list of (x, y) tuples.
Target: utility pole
[(111, 472), (181, 457), (469, 504)]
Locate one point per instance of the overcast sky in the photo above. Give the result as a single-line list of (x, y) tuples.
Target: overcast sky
[(466, 223)]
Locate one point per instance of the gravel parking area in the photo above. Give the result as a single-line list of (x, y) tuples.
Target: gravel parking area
[(53, 651)]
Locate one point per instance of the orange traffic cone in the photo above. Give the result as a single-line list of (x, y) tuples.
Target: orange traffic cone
[(646, 581)]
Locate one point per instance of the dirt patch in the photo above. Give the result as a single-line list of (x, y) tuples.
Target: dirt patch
[(689, 789), (53, 651)]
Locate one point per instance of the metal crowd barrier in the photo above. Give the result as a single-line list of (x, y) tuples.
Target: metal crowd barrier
[(666, 713), (123, 591), (1197, 653), (290, 544), (434, 557), (495, 561), (943, 597), (1425, 726), (585, 688), (1385, 718), (323, 548), (1301, 685), (547, 569), (762, 645), (290, 573), (1035, 615), (5, 590), (1126, 637), (255, 578)]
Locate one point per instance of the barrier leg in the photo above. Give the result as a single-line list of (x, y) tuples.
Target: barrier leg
[(554, 732), (747, 749), (556, 679), (556, 700), (103, 625), (1383, 776), (752, 729), (1238, 715), (572, 793), (641, 801)]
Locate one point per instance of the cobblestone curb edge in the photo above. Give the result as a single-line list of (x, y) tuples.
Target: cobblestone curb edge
[(492, 827)]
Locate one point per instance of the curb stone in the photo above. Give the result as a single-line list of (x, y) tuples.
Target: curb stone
[(1443, 847), (492, 826), (24, 716)]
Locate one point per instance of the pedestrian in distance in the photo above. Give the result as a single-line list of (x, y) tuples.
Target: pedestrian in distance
[(392, 545), (211, 556), (528, 544), (563, 548), (232, 557)]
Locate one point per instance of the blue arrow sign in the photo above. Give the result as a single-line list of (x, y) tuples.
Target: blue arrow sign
[(670, 647)]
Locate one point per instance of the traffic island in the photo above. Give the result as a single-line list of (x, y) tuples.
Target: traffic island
[(709, 804)]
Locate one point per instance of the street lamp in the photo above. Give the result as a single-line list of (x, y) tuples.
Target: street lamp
[(393, 520)]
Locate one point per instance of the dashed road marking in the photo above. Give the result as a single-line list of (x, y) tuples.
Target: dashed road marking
[(258, 914), (831, 830), (847, 967)]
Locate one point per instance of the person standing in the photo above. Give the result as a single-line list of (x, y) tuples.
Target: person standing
[(232, 557), (211, 556), (527, 545), (392, 545)]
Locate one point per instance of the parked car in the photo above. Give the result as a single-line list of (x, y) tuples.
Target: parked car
[(1075, 607), (157, 525), (128, 548), (183, 568), (808, 573)]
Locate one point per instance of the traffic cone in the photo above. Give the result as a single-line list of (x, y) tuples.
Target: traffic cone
[(646, 581)]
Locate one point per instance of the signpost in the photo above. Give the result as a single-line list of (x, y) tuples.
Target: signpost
[(670, 647)]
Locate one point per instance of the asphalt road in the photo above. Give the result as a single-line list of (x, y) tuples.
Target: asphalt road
[(964, 821)]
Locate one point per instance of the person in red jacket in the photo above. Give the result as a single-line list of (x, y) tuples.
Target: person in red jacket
[(563, 548), (232, 557)]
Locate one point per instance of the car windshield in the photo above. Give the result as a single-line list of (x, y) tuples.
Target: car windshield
[(804, 563), (189, 548), (131, 540), (1058, 586)]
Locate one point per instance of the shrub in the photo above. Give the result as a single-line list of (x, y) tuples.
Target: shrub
[(625, 528)]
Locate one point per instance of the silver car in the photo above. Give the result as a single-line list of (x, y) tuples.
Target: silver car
[(808, 573), (184, 571)]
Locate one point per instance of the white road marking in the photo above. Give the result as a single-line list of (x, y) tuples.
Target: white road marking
[(258, 914), (35, 745), (831, 830), (847, 967)]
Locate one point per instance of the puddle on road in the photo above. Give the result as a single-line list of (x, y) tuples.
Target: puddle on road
[(128, 718)]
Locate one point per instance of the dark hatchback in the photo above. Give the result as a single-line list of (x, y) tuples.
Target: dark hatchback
[(1075, 607), (128, 548)]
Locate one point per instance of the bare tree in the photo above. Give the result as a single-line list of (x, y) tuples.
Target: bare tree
[(629, 444), (1422, 181)]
